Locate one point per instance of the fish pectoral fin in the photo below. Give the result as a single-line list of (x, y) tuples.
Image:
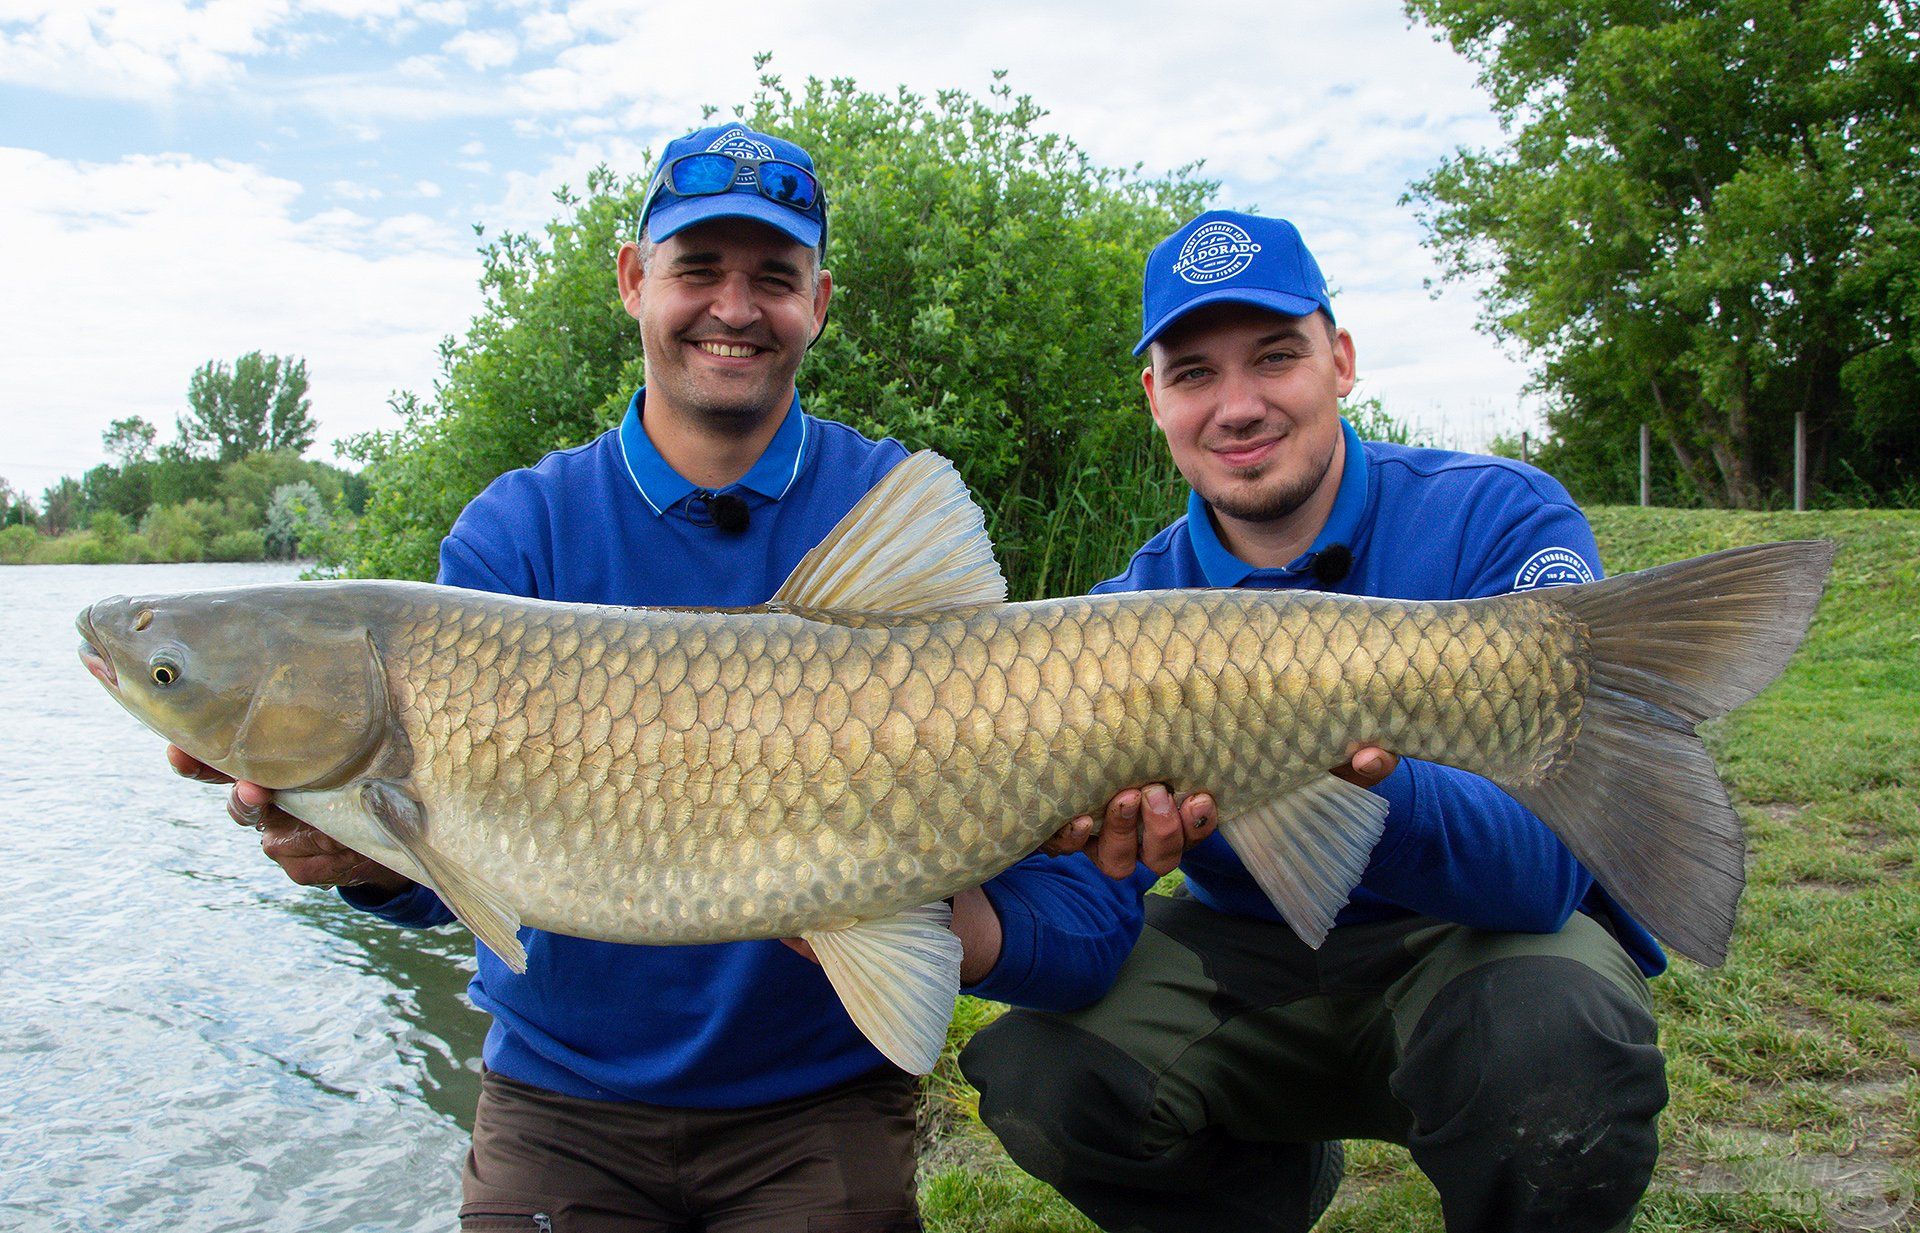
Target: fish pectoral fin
[(898, 978), (915, 543), (478, 903), (1308, 849)]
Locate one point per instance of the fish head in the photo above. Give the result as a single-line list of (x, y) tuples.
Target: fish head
[(250, 681)]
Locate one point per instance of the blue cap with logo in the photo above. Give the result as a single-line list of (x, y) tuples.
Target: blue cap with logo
[(1227, 257), (730, 171)]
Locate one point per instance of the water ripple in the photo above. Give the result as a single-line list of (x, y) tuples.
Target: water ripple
[(190, 1041)]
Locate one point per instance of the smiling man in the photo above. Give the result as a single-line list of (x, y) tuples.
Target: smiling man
[(1480, 1000), (718, 1087)]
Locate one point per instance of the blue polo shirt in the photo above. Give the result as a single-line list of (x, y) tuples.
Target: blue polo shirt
[(1421, 525), (738, 1023)]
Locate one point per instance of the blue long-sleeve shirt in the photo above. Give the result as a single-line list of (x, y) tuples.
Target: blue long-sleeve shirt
[(739, 1023), (1422, 525)]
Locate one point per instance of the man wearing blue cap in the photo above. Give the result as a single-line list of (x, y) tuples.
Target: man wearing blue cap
[(1480, 1000), (717, 1087)]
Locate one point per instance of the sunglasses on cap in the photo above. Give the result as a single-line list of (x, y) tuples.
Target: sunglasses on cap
[(710, 172)]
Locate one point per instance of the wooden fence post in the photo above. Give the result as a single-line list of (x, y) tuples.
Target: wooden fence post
[(1646, 468), (1799, 461)]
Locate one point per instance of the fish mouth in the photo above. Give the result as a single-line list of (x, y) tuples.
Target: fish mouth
[(90, 654)]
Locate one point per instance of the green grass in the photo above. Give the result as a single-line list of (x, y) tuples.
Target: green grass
[(1795, 1069)]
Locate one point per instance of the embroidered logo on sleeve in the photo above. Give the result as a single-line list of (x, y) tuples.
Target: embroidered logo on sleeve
[(1552, 567)]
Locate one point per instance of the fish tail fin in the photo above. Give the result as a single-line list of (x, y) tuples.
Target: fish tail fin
[(1635, 794)]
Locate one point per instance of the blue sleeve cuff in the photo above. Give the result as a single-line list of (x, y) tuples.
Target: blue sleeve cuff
[(1065, 928), (415, 906), (1459, 848), (1019, 942)]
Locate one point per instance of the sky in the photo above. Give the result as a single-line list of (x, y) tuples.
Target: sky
[(185, 180)]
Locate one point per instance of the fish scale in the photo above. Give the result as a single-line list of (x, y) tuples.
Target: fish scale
[(892, 758)]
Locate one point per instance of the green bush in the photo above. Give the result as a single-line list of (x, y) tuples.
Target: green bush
[(238, 546), (173, 533), (17, 543), (64, 550), (109, 528)]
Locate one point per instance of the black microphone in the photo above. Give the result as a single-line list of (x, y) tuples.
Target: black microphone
[(728, 512), (1331, 564)]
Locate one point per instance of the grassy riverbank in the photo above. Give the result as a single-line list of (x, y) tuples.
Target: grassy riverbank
[(1795, 1069), (22, 546)]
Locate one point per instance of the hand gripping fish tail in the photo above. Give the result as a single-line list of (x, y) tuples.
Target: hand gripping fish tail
[(888, 731)]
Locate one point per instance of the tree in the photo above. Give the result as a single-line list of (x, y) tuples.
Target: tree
[(987, 287), (1703, 219), (295, 512), (110, 531), (16, 508), (129, 441), (258, 404), (252, 481), (107, 487), (60, 506), (177, 475)]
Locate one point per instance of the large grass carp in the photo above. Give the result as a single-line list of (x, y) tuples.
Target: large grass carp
[(888, 731)]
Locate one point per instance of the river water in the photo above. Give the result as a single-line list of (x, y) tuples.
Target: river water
[(188, 1041)]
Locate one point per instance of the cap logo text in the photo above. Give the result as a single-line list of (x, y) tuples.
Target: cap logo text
[(737, 142), (1217, 250)]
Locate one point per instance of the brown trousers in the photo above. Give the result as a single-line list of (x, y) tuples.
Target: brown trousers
[(838, 1161)]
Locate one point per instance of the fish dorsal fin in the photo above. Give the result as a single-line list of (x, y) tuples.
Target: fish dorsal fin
[(897, 977), (915, 543)]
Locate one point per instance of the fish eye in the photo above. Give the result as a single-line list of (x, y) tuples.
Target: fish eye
[(164, 671)]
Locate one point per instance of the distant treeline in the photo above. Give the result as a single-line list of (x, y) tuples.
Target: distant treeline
[(232, 486)]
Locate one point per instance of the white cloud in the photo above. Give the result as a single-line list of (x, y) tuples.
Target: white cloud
[(442, 12), (151, 49), (526, 200), (426, 188), (421, 68), (125, 276), (483, 50), (131, 48), (546, 30), (347, 190)]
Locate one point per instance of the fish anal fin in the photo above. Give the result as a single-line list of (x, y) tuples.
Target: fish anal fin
[(479, 904), (1308, 849), (898, 978), (915, 543)]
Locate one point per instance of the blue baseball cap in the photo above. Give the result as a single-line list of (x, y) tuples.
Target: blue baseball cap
[(1228, 257), (667, 212)]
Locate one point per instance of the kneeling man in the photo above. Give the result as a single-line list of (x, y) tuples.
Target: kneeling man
[(1481, 1000)]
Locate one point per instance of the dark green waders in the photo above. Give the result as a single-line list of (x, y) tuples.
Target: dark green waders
[(1520, 1070)]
